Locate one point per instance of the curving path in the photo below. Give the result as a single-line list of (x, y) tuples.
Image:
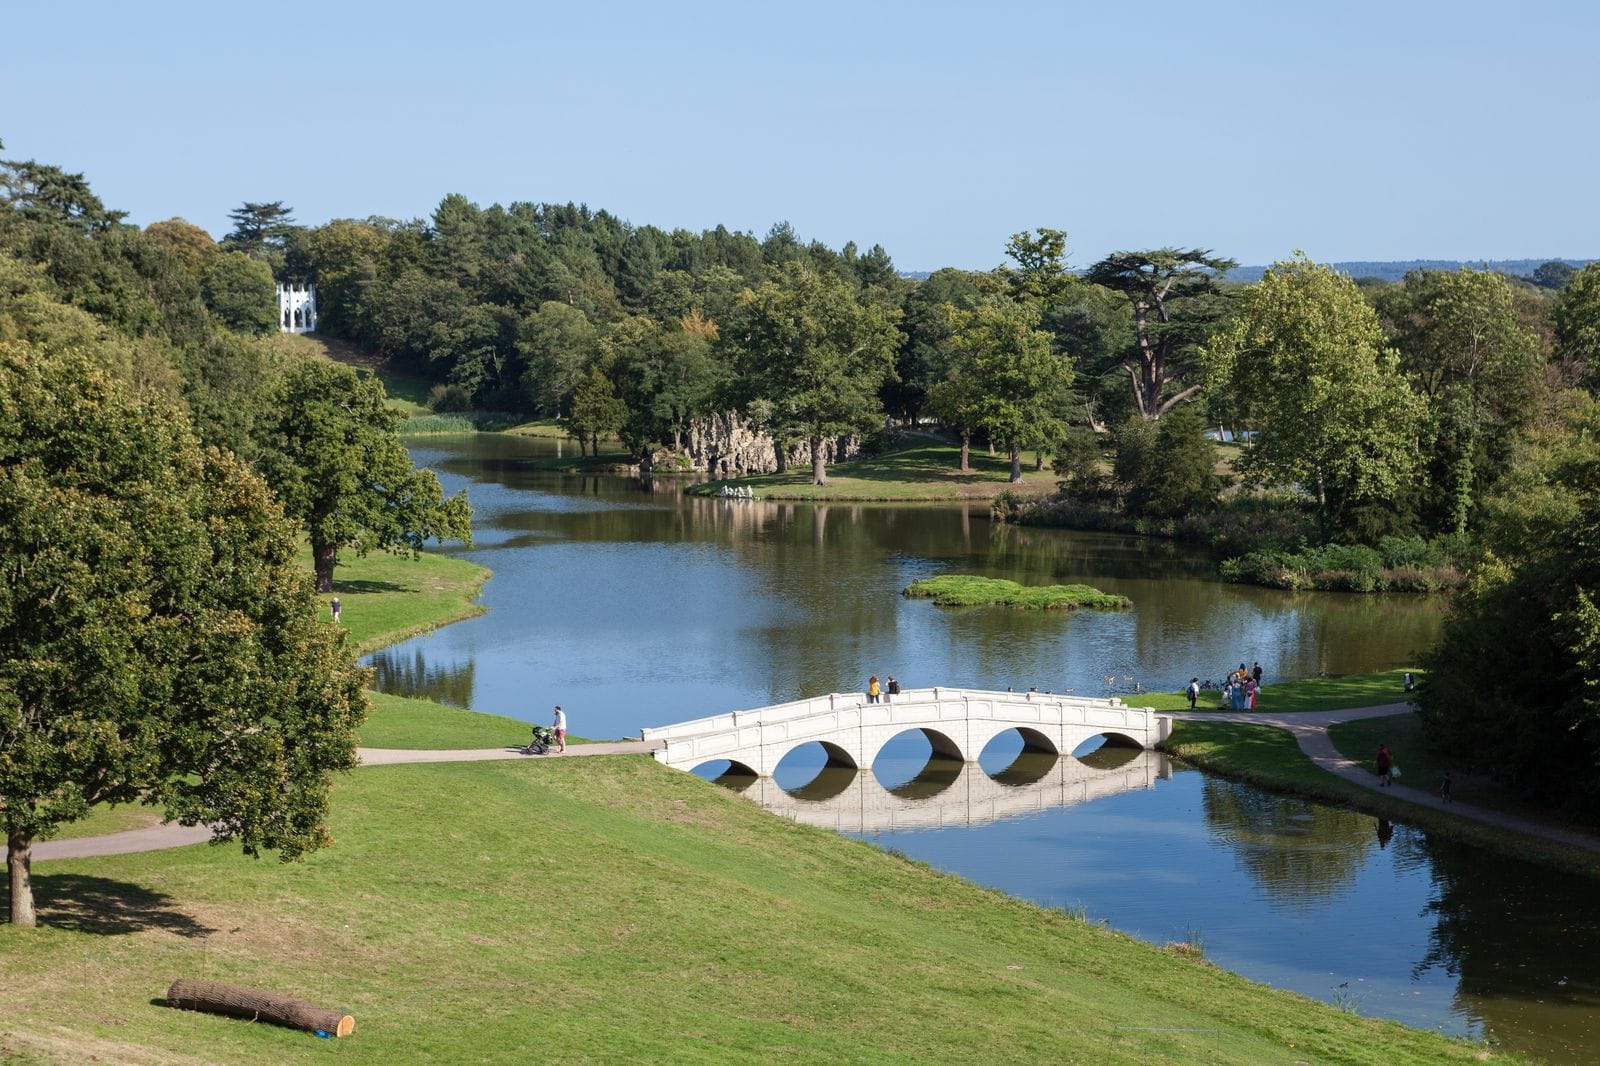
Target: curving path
[(176, 836), (1310, 731)]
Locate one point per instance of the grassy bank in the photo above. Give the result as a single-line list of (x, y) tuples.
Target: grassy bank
[(927, 472), (386, 598), (1294, 697), (615, 910), (965, 590)]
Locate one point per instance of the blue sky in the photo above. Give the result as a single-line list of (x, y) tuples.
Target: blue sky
[(1352, 130)]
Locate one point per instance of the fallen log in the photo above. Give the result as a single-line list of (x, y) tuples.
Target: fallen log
[(214, 997)]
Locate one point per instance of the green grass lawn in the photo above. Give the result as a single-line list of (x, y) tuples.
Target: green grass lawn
[(926, 472), (403, 722), (610, 909), (386, 598), (1291, 697), (965, 590)]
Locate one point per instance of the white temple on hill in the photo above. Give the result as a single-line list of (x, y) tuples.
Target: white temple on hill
[(297, 307)]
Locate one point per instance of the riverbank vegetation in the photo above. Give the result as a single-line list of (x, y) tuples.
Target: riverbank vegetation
[(1269, 758), (666, 911), (966, 590)]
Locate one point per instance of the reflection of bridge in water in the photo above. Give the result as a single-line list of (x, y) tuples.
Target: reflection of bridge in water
[(951, 793)]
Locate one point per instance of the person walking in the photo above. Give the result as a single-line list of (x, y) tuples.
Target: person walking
[(1255, 674), (561, 730), (1385, 764), (1193, 691), (873, 691), (334, 606)]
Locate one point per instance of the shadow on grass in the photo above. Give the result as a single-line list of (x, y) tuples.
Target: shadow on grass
[(371, 586), (83, 904)]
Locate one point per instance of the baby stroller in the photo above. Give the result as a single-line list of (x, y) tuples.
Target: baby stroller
[(543, 738)]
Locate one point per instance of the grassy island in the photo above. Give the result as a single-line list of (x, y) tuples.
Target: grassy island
[(964, 590), (927, 472)]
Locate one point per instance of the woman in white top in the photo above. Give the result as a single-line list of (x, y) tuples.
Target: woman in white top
[(561, 731)]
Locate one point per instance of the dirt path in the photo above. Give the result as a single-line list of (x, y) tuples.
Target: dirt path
[(1310, 731), (176, 836)]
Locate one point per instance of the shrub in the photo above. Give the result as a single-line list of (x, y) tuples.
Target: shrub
[(448, 399)]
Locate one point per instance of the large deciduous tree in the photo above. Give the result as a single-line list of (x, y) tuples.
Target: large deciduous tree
[(1018, 385), (1334, 414), (803, 342), (1479, 368), (1176, 304), (330, 450), (1577, 321), (240, 292), (158, 641)]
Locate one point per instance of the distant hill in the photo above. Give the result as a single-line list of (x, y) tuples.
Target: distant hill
[(1396, 269)]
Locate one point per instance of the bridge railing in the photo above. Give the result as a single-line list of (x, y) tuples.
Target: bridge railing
[(819, 706)]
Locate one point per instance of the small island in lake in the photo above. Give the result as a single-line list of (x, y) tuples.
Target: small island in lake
[(965, 590)]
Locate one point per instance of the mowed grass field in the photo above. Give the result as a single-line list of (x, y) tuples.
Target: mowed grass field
[(385, 598), (927, 472), (613, 910)]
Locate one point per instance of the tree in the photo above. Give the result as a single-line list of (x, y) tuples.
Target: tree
[(803, 342), (1554, 274), (1168, 466), (1466, 350), (1513, 687), (240, 292), (558, 343), (40, 193), (926, 352), (329, 449), (259, 227), (1040, 276), (1333, 412), (1176, 303), (1018, 384), (158, 642), (595, 410), (1577, 320), (192, 245)]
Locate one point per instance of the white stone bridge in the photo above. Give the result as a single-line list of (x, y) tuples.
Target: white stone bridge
[(958, 723), (971, 797)]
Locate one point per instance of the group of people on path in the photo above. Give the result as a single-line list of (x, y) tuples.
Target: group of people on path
[(1238, 691), (884, 691)]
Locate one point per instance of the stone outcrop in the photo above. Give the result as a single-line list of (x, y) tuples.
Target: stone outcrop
[(728, 445)]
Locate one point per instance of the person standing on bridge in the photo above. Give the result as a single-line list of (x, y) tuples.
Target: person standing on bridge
[(1385, 765), (561, 730), (891, 690), (873, 691)]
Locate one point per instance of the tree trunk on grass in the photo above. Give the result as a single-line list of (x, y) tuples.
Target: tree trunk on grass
[(1016, 463), (18, 859), (215, 997), (819, 465), (966, 453)]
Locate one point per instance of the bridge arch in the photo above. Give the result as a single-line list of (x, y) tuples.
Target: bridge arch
[(1107, 738), (940, 741), (716, 769)]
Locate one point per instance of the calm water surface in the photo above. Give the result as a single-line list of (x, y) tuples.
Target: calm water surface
[(633, 605)]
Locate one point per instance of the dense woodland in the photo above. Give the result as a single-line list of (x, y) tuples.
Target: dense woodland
[(1396, 433)]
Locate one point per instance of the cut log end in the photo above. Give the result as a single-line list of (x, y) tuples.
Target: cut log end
[(214, 997)]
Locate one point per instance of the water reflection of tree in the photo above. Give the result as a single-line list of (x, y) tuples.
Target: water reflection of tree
[(400, 675), (1302, 854), (1519, 939)]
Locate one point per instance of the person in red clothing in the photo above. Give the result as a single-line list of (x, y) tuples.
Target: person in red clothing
[(1385, 764)]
